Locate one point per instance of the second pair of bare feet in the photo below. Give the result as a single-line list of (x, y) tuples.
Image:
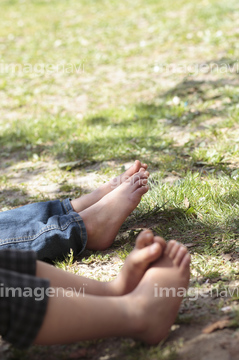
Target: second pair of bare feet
[(128, 306)]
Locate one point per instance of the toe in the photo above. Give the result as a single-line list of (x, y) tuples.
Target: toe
[(161, 241), (143, 170), (138, 182), (147, 255), (182, 251), (141, 191), (169, 246), (143, 175), (137, 165), (174, 250), (185, 263), (132, 170), (145, 238)]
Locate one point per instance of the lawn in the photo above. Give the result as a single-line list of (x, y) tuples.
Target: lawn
[(86, 88)]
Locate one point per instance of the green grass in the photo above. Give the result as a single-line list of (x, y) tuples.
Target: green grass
[(124, 94), (197, 208)]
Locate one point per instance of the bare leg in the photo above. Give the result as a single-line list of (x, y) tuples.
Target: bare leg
[(70, 318), (139, 314), (87, 200), (147, 249), (103, 219)]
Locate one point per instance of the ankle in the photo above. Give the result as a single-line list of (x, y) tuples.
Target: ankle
[(117, 287), (137, 315), (142, 324)]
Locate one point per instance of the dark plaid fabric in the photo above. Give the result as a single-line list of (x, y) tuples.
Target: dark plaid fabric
[(23, 300)]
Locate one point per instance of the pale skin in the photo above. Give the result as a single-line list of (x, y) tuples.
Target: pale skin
[(87, 200), (104, 219), (126, 306), (105, 210)]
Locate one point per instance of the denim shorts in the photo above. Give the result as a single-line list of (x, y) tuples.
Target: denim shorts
[(49, 228)]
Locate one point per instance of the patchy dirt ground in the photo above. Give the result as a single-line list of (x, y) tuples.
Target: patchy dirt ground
[(28, 182), (186, 341)]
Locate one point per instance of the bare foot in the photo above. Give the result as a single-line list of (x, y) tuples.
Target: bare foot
[(147, 249), (87, 200), (103, 219), (156, 300)]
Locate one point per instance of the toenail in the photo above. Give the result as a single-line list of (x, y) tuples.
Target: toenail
[(172, 243), (154, 248)]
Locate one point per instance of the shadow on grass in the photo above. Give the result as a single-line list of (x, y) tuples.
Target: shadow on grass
[(141, 135), (187, 227), (175, 224)]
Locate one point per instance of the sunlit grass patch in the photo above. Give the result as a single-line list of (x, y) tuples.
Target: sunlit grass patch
[(203, 207), (210, 267)]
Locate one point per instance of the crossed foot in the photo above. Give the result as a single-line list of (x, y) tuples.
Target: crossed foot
[(105, 209), (151, 313), (87, 200)]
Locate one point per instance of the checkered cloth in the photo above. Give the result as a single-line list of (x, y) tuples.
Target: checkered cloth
[(23, 300)]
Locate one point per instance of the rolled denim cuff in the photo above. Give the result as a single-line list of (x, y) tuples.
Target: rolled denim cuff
[(67, 206)]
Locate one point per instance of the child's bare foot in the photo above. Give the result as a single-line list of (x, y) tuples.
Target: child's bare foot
[(87, 200), (103, 219), (147, 249), (156, 300)]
